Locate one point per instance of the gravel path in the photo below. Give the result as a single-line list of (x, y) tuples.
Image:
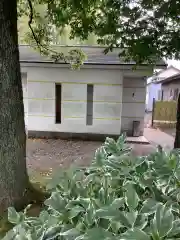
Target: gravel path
[(44, 155)]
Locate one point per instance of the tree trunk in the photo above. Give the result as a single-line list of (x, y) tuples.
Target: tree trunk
[(177, 137), (13, 174)]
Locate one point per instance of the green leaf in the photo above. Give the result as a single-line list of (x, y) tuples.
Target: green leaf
[(56, 202), (131, 197), (110, 146), (175, 229), (115, 225), (163, 221), (111, 211), (89, 216), (123, 219), (131, 217), (83, 202), (89, 178), (52, 232), (99, 157), (149, 206), (70, 234), (13, 216), (99, 234), (107, 213), (135, 234), (141, 221), (117, 203), (101, 195), (75, 211)]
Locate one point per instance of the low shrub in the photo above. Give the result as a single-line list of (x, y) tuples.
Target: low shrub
[(117, 197)]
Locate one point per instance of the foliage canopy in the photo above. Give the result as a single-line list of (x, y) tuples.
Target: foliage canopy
[(144, 30)]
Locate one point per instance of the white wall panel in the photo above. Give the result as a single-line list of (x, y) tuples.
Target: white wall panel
[(134, 95), (74, 92), (25, 96), (37, 123), (34, 107), (108, 93), (47, 107), (133, 109), (107, 110), (25, 101), (105, 126), (133, 103), (41, 90), (73, 109), (109, 76), (127, 123), (134, 82)]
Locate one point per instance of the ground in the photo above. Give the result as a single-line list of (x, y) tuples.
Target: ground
[(167, 128), (47, 155)]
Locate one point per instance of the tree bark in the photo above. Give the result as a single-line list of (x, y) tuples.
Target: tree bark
[(13, 174), (177, 136)]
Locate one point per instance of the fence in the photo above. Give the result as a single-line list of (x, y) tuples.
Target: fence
[(164, 113)]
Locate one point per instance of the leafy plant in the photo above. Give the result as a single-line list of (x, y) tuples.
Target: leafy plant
[(117, 197)]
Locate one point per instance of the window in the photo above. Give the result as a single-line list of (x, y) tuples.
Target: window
[(58, 103), (89, 113)]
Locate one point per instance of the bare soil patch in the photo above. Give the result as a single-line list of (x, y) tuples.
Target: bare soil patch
[(46, 155)]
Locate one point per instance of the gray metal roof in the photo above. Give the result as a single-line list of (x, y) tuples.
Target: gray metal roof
[(94, 54), (171, 78)]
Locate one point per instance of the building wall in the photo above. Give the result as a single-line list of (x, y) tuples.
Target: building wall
[(116, 102), (107, 100), (166, 87), (25, 96), (152, 90), (133, 103)]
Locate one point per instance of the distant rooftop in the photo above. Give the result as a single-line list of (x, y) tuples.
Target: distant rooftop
[(94, 54), (171, 78)]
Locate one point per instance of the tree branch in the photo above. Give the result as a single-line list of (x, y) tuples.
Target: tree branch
[(41, 46), (75, 57), (31, 15)]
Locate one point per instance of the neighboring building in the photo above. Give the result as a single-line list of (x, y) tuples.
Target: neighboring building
[(171, 87), (153, 90), (155, 86), (104, 97)]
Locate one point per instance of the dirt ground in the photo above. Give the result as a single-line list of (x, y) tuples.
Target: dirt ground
[(50, 154), (46, 155)]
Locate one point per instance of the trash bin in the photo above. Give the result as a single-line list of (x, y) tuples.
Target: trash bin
[(136, 129)]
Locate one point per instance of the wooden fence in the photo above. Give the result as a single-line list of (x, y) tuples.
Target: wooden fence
[(164, 113)]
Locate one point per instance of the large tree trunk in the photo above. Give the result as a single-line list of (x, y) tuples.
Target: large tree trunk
[(177, 137), (13, 173)]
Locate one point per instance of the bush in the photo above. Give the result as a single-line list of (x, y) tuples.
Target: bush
[(117, 197)]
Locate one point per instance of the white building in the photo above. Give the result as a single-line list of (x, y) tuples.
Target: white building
[(155, 89), (103, 98)]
